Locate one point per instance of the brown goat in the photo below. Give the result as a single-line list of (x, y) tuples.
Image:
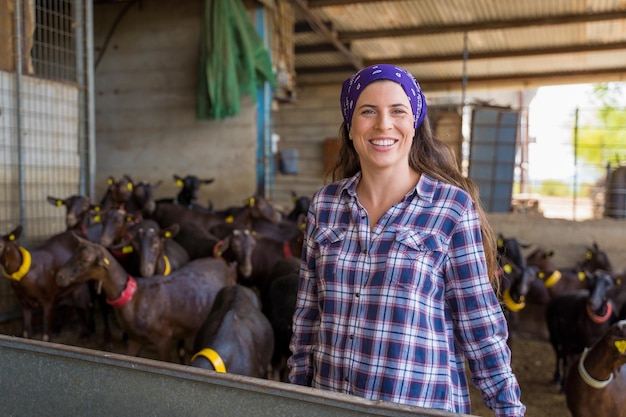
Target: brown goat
[(157, 310), (236, 335), (32, 278), (596, 383)]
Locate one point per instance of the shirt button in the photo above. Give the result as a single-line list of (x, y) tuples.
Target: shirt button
[(351, 337), (357, 295)]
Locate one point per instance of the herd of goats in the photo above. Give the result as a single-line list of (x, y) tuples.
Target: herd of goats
[(172, 270), (169, 270), (582, 311)]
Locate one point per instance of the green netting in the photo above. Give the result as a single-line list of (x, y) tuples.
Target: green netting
[(233, 60)]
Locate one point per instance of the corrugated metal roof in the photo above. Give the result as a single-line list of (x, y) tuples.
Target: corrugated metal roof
[(509, 43)]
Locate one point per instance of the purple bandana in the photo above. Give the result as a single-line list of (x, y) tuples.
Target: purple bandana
[(353, 86)]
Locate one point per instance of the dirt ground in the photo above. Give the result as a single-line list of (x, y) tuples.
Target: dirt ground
[(533, 363)]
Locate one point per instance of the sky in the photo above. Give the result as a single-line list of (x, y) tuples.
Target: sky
[(551, 122)]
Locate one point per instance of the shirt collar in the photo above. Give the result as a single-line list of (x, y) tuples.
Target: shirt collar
[(425, 188)]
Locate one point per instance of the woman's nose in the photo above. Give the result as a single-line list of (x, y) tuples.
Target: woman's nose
[(383, 121)]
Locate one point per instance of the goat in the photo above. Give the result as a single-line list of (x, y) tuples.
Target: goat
[(577, 320), (156, 310), (596, 383), (236, 337), (32, 277)]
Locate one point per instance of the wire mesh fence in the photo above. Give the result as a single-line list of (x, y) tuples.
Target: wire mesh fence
[(567, 174), (43, 117)]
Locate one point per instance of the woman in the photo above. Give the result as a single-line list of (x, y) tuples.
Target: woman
[(398, 272)]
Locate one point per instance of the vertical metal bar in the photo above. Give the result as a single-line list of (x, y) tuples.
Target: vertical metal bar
[(265, 160), (18, 112), (91, 106), (79, 43)]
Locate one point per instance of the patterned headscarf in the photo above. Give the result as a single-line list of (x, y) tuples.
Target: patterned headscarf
[(353, 86)]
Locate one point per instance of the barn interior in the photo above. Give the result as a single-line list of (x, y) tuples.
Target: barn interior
[(99, 89)]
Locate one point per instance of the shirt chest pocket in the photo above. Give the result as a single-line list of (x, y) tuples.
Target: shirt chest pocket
[(412, 259), (330, 244)]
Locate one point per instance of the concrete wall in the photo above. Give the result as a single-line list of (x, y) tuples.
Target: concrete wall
[(568, 239), (304, 126), (146, 105)]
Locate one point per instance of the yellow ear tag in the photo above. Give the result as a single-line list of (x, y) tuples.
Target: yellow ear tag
[(59, 203), (229, 219), (251, 201), (129, 219), (127, 249), (179, 183), (11, 237), (110, 181), (500, 243), (581, 276), (508, 268), (129, 186), (168, 234), (96, 208), (588, 255), (106, 261), (541, 275), (620, 345), (97, 218)]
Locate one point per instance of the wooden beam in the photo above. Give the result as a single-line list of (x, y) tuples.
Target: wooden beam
[(568, 49), (503, 81), (502, 24), (320, 27)]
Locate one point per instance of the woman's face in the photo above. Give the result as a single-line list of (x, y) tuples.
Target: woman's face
[(382, 126)]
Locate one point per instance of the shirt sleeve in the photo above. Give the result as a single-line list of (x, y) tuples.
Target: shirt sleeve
[(306, 315), (480, 325)]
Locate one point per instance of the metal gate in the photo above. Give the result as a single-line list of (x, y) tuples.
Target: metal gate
[(46, 116), (493, 147)]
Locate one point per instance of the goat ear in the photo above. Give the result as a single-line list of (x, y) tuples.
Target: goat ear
[(55, 201), (171, 231), (208, 181), (15, 234)]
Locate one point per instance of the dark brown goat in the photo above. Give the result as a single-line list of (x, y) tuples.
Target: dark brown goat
[(118, 194), (152, 250), (32, 277), (577, 320), (236, 337), (556, 281), (156, 310), (596, 383), (255, 255), (189, 192), (81, 216)]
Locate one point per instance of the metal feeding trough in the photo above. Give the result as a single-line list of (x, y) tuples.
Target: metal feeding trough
[(40, 378)]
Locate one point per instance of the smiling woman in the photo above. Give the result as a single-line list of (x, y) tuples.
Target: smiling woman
[(398, 264)]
